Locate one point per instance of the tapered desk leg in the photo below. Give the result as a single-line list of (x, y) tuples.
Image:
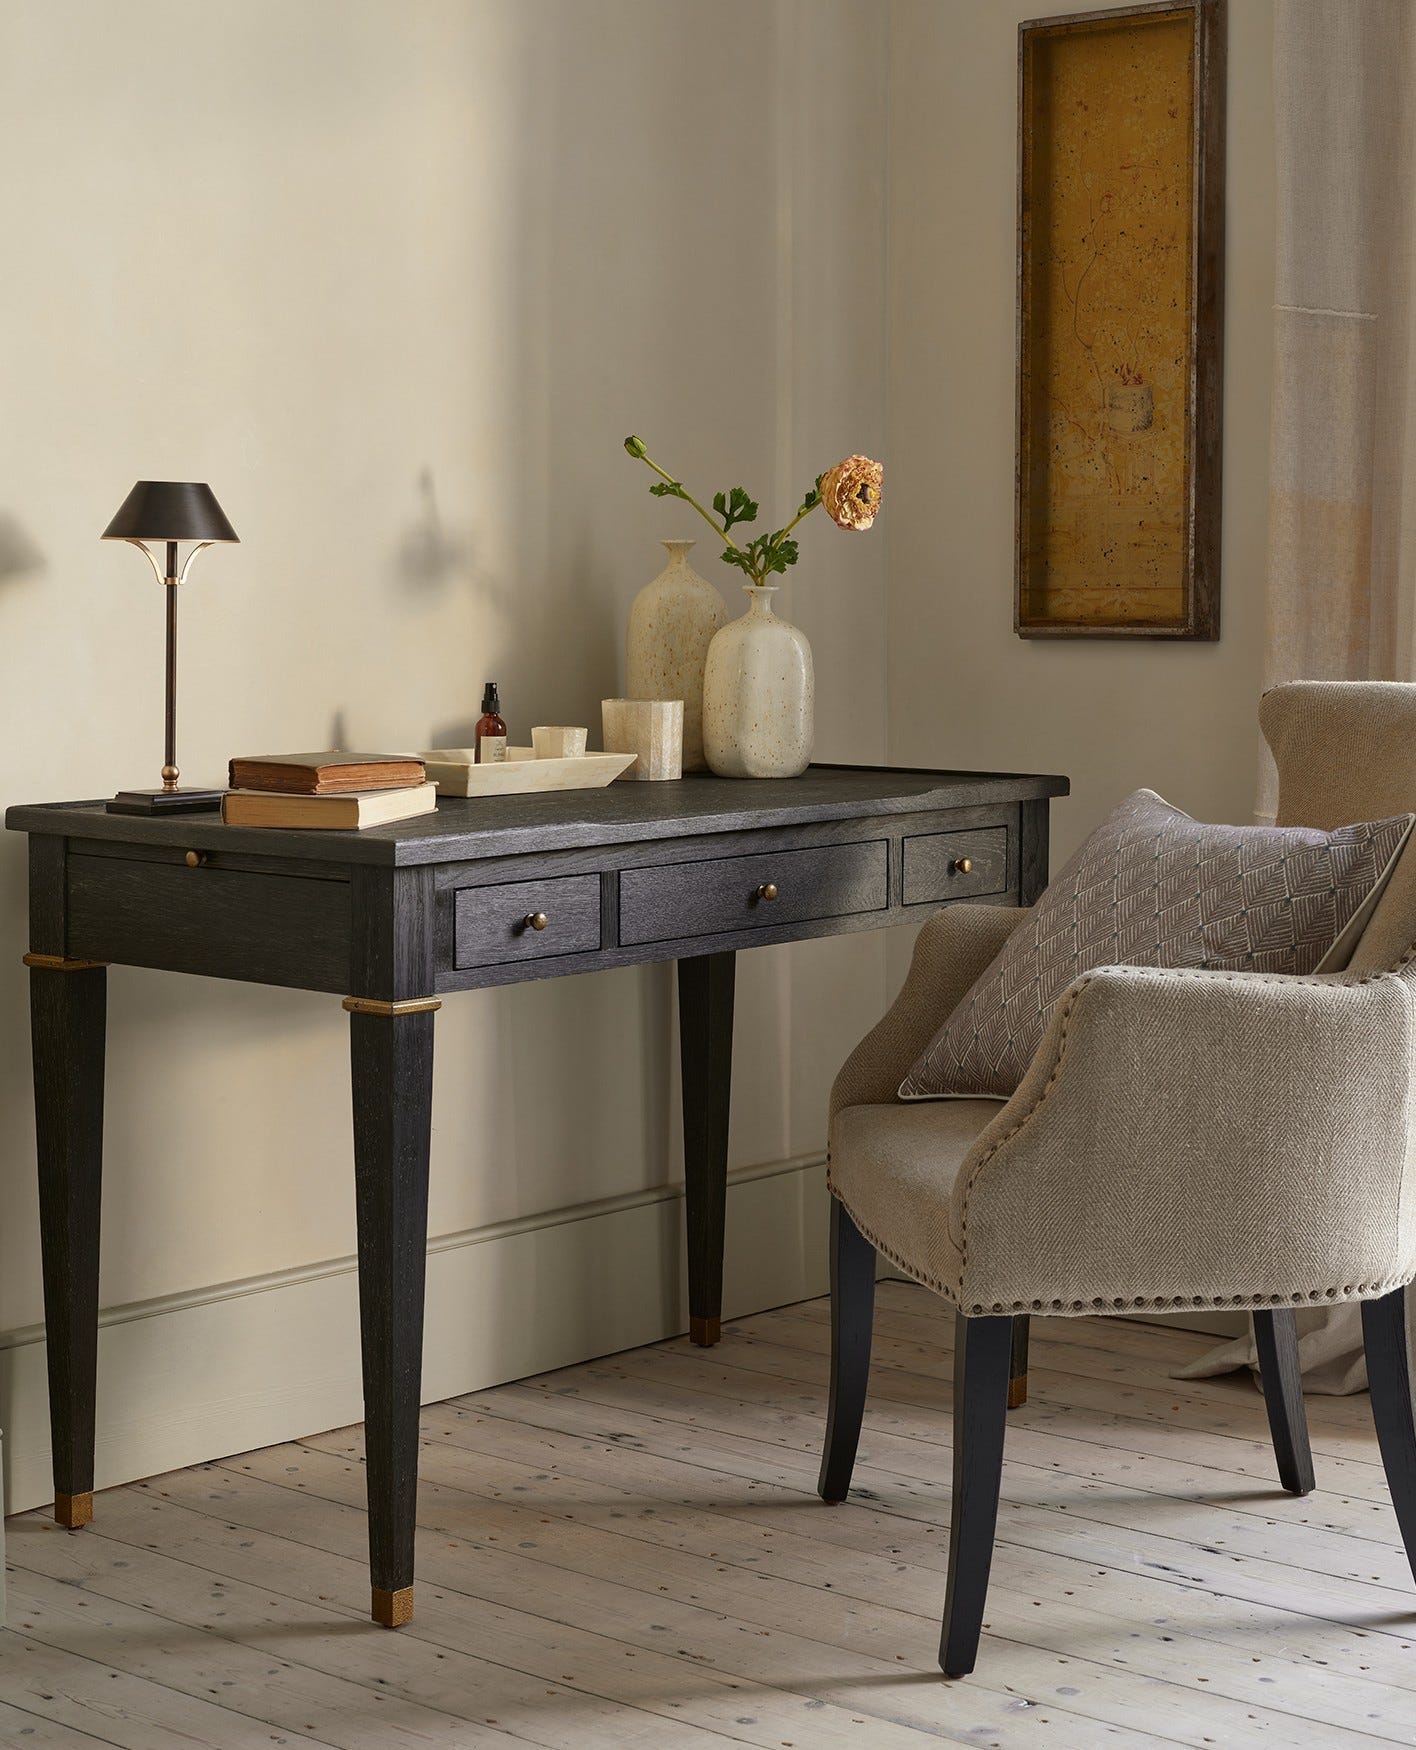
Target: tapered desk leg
[(392, 1063), (1018, 1363), (705, 989), (67, 1015)]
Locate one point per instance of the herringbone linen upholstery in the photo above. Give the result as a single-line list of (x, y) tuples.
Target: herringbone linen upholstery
[(1151, 887), (1182, 1139)]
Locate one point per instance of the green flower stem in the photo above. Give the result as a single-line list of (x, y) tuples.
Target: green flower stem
[(688, 497), (805, 511)]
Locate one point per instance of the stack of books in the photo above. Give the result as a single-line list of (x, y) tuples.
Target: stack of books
[(342, 791)]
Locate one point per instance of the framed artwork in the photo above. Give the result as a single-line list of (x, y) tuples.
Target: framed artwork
[(1120, 322)]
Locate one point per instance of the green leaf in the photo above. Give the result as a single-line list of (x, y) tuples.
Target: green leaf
[(778, 552), (734, 507), (667, 489)]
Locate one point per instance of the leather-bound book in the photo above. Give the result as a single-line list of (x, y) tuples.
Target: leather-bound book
[(325, 774)]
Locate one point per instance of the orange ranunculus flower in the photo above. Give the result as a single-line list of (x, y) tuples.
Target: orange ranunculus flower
[(851, 492)]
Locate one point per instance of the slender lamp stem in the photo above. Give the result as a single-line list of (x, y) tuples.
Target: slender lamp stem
[(169, 768)]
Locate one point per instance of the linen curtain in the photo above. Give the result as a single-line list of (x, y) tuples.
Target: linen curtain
[(1342, 546), (1342, 483)]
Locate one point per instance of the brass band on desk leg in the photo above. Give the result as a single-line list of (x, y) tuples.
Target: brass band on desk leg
[(1017, 1391), (74, 1511), (61, 963), (392, 1609), (705, 1332), (404, 1006)]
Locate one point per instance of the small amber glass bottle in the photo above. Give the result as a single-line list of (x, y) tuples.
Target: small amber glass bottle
[(490, 734)]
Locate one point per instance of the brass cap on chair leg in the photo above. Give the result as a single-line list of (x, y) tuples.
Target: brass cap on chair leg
[(74, 1511), (704, 1332), (392, 1609)]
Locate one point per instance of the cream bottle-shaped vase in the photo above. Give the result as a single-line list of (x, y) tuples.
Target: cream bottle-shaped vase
[(671, 625), (758, 694)]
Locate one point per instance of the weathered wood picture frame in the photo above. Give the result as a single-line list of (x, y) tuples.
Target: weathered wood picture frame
[(1121, 125)]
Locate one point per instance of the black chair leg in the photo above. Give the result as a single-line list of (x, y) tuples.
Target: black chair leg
[(1276, 1336), (1389, 1375), (852, 1314), (982, 1351)]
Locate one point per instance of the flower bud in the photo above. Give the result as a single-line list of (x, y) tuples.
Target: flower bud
[(635, 446)]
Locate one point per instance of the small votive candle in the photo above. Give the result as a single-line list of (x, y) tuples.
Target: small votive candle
[(651, 729), (556, 742)]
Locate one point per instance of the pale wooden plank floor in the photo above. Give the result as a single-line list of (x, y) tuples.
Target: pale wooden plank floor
[(630, 1553)]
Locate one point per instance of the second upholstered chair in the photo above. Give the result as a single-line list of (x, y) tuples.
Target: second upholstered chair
[(1181, 1140)]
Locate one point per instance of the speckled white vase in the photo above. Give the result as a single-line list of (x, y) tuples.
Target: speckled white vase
[(758, 695), (671, 625)]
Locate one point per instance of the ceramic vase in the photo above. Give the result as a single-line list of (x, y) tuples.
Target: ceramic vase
[(671, 625), (758, 694)]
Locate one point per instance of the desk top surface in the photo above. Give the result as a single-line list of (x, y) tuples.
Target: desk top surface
[(464, 829)]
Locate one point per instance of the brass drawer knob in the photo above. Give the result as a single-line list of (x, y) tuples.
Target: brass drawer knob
[(536, 920), (195, 859), (963, 866), (768, 890)]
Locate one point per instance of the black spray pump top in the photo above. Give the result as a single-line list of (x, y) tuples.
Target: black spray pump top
[(491, 704)]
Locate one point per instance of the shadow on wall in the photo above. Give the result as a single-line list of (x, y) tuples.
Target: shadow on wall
[(20, 557), (431, 557), (18, 554)]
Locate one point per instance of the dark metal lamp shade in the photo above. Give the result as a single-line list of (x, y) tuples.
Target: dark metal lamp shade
[(170, 510)]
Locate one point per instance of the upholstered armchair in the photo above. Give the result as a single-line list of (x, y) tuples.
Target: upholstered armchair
[(1181, 1140)]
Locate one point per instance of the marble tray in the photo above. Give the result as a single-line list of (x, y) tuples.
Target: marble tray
[(456, 773)]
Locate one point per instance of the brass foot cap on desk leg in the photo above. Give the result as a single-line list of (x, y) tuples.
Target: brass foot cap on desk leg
[(705, 1332), (1018, 1392), (392, 1609), (74, 1511)]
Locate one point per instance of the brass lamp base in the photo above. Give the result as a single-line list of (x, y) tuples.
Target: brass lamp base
[(164, 801)]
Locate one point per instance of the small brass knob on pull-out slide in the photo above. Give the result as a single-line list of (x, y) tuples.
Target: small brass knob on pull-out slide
[(963, 866), (536, 920), (195, 859), (768, 890)]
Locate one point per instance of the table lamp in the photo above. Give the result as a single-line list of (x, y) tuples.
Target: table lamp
[(169, 511)]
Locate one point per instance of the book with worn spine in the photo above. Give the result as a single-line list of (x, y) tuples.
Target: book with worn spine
[(325, 774)]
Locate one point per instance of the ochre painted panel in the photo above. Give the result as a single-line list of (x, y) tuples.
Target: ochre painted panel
[(1109, 323)]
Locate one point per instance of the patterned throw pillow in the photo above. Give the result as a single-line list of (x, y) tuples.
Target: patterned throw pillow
[(1151, 887)]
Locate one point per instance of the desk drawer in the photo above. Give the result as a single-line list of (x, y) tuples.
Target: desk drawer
[(934, 863), (670, 901), (491, 925), (219, 922)]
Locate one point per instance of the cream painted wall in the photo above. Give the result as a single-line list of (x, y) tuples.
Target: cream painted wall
[(397, 278), (964, 689)]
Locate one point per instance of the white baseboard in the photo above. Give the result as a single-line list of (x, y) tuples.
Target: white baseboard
[(222, 1370)]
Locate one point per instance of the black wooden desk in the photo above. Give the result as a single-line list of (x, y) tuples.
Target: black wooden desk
[(394, 919)]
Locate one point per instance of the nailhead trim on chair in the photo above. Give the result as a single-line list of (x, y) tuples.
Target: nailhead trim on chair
[(1172, 1302), (1149, 1302)]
